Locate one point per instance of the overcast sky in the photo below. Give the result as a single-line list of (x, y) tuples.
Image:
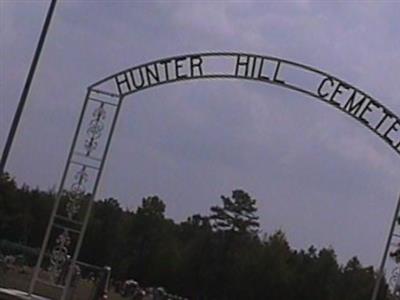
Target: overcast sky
[(317, 174)]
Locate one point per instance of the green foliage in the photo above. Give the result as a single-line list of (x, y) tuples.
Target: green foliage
[(152, 206), (217, 256), (29, 254), (237, 213)]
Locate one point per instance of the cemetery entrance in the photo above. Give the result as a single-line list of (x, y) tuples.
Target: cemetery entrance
[(103, 102)]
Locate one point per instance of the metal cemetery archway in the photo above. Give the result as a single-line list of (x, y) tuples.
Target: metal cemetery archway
[(91, 142)]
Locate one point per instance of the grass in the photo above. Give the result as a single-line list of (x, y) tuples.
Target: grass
[(14, 279)]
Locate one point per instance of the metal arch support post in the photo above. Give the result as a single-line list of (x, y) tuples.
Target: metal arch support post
[(385, 254), (71, 217), (57, 201), (91, 200)]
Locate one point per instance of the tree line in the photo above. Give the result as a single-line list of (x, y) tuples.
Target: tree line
[(221, 255)]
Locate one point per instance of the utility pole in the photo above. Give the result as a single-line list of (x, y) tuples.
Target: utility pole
[(26, 88)]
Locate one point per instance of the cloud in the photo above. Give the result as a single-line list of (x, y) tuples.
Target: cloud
[(316, 174)]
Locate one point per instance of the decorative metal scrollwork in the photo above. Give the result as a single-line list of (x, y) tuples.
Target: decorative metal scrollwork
[(96, 126), (73, 205), (394, 280), (77, 192), (78, 188), (59, 255)]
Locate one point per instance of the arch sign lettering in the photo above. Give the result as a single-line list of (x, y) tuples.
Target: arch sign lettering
[(101, 107)]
